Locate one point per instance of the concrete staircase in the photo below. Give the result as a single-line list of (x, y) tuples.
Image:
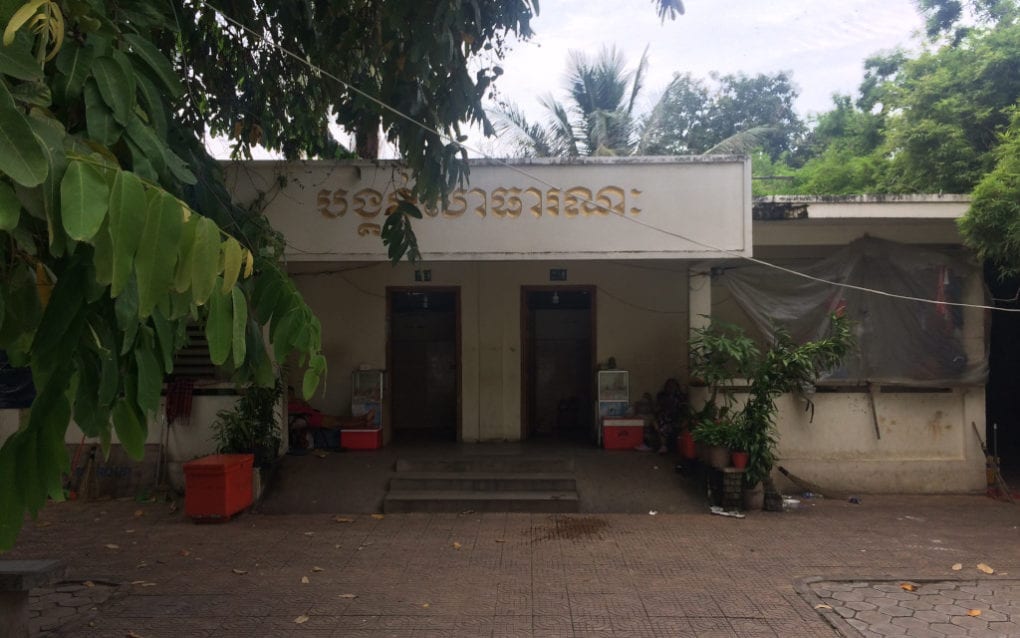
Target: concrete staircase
[(483, 483)]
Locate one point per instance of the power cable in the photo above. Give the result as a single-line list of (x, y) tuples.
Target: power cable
[(589, 202)]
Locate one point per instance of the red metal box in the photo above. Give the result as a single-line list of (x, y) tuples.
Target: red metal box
[(370, 439), (217, 486), (622, 434)]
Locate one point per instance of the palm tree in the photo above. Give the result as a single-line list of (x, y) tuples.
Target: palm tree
[(599, 118)]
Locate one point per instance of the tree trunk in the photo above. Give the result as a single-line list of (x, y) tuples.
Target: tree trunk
[(366, 138)]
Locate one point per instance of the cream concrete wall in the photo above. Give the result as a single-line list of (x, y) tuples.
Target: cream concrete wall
[(641, 320), (927, 443), (185, 441)]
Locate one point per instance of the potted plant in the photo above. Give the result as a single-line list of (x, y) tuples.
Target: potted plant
[(715, 433), (251, 426), (721, 352)]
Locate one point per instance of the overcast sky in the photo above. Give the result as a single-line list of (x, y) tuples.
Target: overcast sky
[(823, 42)]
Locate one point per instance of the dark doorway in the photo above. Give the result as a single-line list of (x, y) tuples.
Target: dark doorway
[(558, 335), (424, 357), (1002, 405)]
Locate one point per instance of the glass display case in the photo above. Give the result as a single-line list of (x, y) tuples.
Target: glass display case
[(367, 394), (613, 396)]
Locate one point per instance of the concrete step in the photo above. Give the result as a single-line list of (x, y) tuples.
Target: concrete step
[(502, 463), (484, 481), (479, 501)]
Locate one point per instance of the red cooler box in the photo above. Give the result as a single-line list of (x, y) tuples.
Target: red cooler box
[(218, 486), (620, 433), (369, 439)]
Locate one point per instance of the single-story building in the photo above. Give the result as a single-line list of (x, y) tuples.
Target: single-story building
[(540, 273)]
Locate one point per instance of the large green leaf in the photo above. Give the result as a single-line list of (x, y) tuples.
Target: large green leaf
[(127, 220), (146, 142), (157, 251), (219, 328), (126, 312), (155, 106), (47, 425), (185, 249), (130, 427), (156, 62), (84, 200), (115, 86), (74, 63), (205, 259), (11, 497), (10, 207), (58, 329), (287, 328), (18, 62), (232, 255), (109, 379), (164, 340), (102, 254), (240, 322), (21, 154), (86, 402), (150, 374), (99, 119)]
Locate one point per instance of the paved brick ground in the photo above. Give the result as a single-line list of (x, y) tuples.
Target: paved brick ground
[(411, 575), (983, 608)]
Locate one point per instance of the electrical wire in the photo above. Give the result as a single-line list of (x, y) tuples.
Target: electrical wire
[(525, 173)]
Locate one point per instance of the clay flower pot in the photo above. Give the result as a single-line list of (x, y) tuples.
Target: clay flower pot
[(739, 459)]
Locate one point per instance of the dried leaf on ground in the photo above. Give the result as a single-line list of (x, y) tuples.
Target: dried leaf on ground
[(318, 569), (304, 580), (974, 612), (112, 546), (957, 567), (457, 545), (500, 540), (302, 619), (908, 587), (378, 517), (89, 583), (347, 596), (239, 572), (185, 552), (132, 634), (424, 605), (139, 513), (342, 519), (985, 568), (823, 606), (43, 524), (321, 454), (309, 533)]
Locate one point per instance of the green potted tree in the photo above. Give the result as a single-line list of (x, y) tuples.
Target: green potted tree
[(785, 367), (251, 426), (714, 433), (721, 352)]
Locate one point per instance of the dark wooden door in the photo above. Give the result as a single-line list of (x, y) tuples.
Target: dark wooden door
[(424, 364), (558, 362)]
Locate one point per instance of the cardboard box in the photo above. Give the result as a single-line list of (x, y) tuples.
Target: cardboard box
[(217, 486), (370, 439)]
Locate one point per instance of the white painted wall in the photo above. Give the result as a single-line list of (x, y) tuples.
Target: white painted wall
[(588, 208)]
